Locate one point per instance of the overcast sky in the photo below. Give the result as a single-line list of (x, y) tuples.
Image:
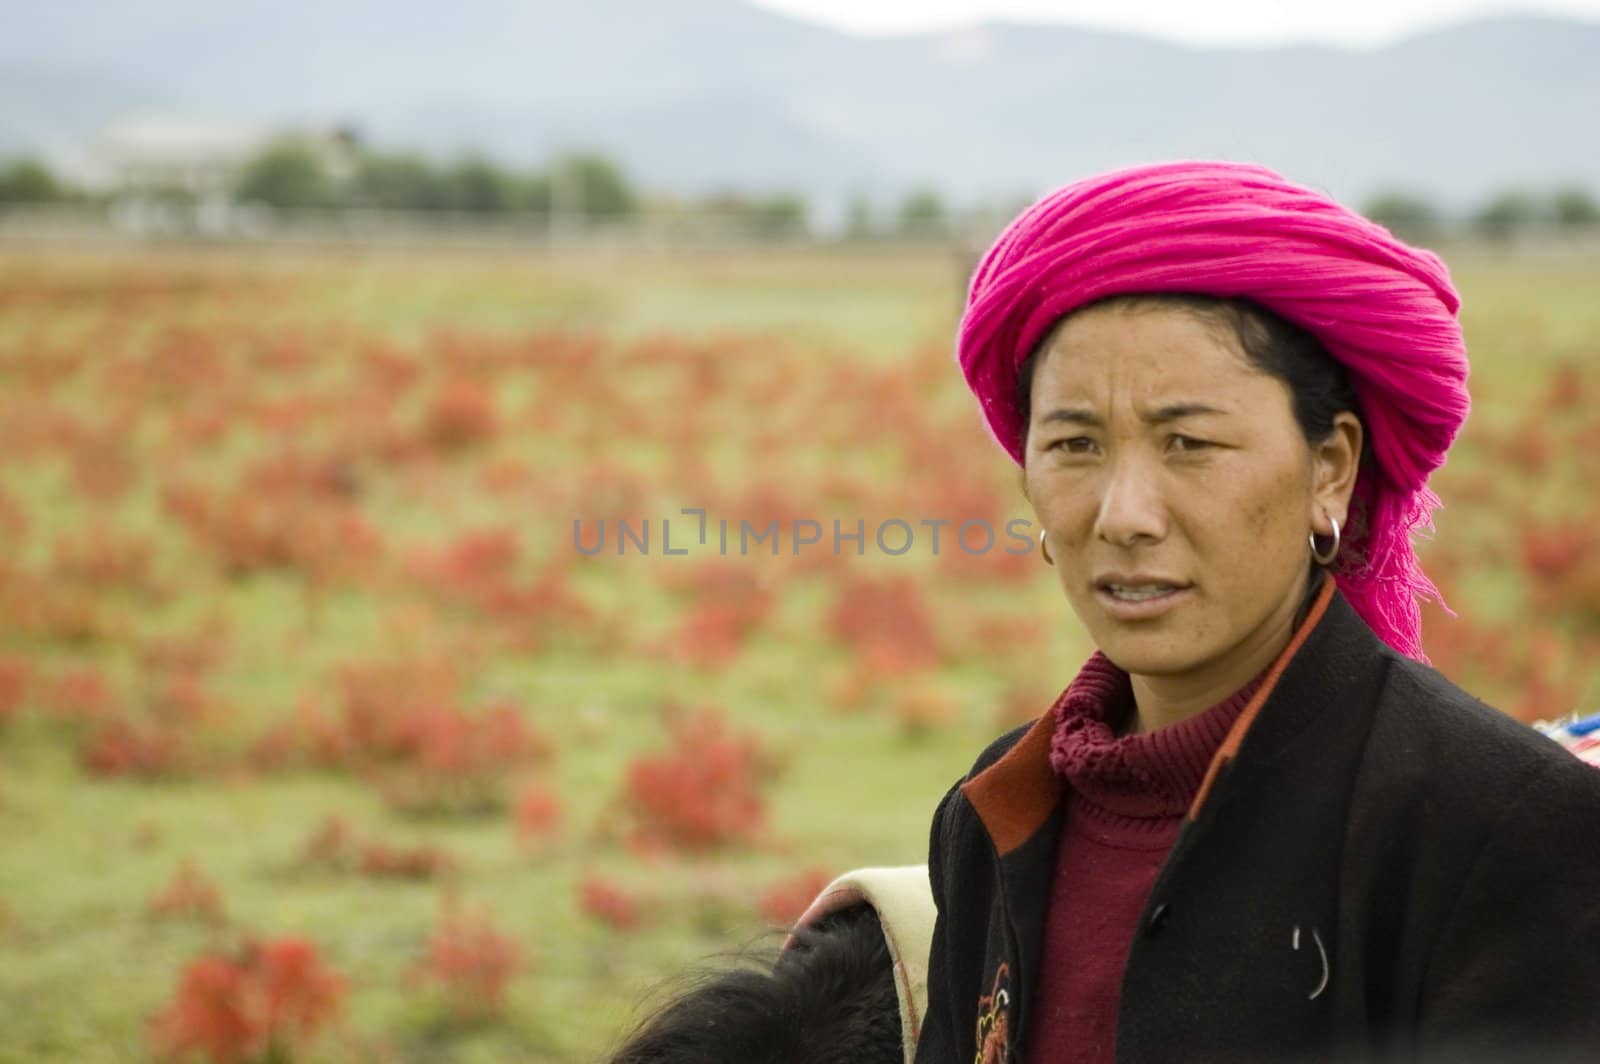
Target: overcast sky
[(1358, 23)]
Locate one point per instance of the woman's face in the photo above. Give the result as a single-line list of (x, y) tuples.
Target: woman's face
[(1176, 490)]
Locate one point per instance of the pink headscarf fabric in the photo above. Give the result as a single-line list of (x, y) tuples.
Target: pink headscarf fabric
[(1386, 310)]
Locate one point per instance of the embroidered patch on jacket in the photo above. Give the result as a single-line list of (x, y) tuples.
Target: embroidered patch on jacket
[(994, 1010)]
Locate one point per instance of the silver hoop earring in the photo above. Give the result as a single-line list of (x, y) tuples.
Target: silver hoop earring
[(1333, 552), (1044, 548)]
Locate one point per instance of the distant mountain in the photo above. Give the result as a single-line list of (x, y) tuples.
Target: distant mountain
[(695, 95)]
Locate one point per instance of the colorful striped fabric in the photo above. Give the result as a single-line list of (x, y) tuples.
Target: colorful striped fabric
[(1580, 734)]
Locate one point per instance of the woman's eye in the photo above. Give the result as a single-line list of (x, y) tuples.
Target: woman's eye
[(1074, 445)]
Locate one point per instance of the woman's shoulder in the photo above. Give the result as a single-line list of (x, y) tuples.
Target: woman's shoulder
[(1451, 748), (1419, 698)]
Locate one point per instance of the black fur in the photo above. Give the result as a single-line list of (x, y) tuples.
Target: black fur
[(829, 999)]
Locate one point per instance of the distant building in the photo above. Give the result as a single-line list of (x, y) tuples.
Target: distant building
[(199, 157)]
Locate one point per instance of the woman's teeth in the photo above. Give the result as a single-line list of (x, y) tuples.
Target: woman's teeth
[(1139, 594)]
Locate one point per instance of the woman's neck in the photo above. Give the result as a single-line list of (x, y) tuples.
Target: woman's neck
[(1160, 701)]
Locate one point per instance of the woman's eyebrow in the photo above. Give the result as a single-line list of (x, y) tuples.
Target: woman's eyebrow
[(1159, 416), (1177, 411), (1073, 416)]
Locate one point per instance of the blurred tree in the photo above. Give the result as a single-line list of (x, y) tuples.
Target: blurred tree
[(29, 181), (478, 185), (1406, 214), (728, 212), (860, 220), (1573, 207), (922, 214), (168, 194), (531, 192), (589, 185), (396, 182), (738, 215), (778, 216), (288, 173), (1507, 214)]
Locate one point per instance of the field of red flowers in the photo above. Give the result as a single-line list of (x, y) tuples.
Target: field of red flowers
[(357, 701)]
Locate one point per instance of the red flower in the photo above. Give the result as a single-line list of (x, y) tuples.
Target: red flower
[(79, 694), (538, 813), (704, 791), (887, 622), (123, 747), (300, 995), (334, 846), (421, 862), (15, 675), (470, 960), (610, 904), (461, 415), (264, 1001), (189, 894), (211, 1015)]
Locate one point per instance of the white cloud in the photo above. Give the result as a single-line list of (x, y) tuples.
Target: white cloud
[(1355, 23)]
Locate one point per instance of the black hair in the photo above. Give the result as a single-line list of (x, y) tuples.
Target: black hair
[(828, 999), (1319, 387)]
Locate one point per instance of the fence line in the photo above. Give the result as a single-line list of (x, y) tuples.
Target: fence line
[(223, 223), (145, 221)]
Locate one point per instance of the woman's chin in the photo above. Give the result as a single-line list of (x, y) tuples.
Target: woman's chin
[(1151, 655)]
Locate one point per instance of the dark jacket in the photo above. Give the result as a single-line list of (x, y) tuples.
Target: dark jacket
[(1385, 868)]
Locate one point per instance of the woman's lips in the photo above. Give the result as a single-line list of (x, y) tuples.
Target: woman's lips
[(1140, 609)]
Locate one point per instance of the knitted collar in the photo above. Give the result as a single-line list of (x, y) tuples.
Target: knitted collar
[(1153, 774)]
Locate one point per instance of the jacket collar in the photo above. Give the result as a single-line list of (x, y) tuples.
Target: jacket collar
[(1016, 795)]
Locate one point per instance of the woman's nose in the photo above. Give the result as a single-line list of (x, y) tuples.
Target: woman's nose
[(1131, 508)]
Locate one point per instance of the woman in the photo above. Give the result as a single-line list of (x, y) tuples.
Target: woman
[(1256, 826)]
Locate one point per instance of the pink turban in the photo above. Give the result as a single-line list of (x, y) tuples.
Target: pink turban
[(1385, 310)]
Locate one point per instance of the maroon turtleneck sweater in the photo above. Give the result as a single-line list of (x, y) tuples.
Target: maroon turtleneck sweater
[(1126, 798)]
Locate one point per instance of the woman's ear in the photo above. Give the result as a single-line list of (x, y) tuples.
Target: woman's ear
[(1335, 463)]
